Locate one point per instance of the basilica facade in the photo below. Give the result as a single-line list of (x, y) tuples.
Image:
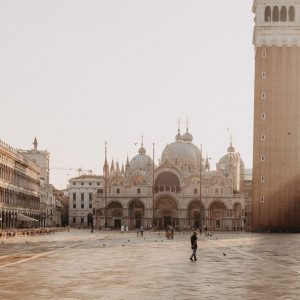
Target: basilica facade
[(182, 191)]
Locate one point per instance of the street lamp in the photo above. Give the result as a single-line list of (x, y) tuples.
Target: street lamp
[(153, 167), (105, 184)]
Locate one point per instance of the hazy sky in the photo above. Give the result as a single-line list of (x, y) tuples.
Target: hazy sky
[(76, 73)]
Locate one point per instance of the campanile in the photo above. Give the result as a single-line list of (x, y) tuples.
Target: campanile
[(276, 146)]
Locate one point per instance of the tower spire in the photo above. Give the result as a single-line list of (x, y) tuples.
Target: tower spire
[(35, 144)]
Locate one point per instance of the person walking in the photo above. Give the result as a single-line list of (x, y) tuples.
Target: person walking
[(194, 246), (142, 230)]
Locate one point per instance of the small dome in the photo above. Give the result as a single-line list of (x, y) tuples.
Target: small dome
[(187, 137), (230, 149), (140, 161), (142, 150), (178, 136)]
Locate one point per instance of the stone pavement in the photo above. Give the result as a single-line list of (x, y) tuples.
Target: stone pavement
[(109, 265)]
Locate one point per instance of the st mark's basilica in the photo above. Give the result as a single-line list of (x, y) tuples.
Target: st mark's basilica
[(183, 192)]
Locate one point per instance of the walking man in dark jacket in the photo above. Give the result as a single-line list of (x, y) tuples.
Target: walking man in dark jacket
[(194, 246)]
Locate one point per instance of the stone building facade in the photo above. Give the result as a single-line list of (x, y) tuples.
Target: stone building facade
[(182, 192), (19, 188), (276, 150), (82, 191), (48, 202)]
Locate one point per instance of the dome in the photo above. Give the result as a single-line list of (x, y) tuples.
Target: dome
[(140, 161), (229, 158), (187, 137), (178, 136), (181, 153)]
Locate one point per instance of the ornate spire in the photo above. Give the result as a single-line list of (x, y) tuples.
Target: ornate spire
[(105, 167), (117, 167), (35, 143), (127, 163), (122, 169), (112, 166), (206, 166), (230, 148), (142, 150)]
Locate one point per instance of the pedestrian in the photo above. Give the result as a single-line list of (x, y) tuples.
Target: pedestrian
[(194, 246), (205, 229), (122, 228), (200, 230), (137, 231), (127, 228), (142, 230)]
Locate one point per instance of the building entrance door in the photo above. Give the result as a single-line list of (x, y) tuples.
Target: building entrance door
[(167, 221), (197, 223), (138, 223), (117, 224), (218, 223)]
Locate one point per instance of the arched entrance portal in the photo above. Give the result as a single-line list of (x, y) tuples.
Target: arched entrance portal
[(196, 214), (217, 216), (166, 212), (136, 213), (114, 214)]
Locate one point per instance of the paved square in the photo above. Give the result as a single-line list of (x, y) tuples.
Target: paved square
[(110, 265)]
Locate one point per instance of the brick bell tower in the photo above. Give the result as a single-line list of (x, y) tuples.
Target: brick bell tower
[(276, 147)]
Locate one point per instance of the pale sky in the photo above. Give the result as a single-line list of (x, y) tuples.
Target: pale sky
[(78, 73)]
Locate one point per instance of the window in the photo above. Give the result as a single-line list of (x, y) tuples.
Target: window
[(264, 53), (263, 95), (263, 116), (138, 191), (74, 183), (118, 191), (275, 16), (82, 196), (82, 220), (263, 75), (90, 183), (195, 191), (268, 14), (262, 179), (262, 137), (82, 205), (82, 183), (74, 205), (90, 196), (291, 14), (100, 191), (283, 14), (262, 199), (262, 157), (98, 183), (74, 220), (74, 196), (90, 205)]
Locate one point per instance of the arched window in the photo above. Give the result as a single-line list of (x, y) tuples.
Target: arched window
[(291, 14), (268, 14), (283, 14), (275, 16)]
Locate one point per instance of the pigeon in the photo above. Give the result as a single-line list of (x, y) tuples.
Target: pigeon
[(224, 254), (123, 245), (103, 245), (128, 241)]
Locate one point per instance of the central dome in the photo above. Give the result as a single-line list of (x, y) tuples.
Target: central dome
[(182, 152)]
